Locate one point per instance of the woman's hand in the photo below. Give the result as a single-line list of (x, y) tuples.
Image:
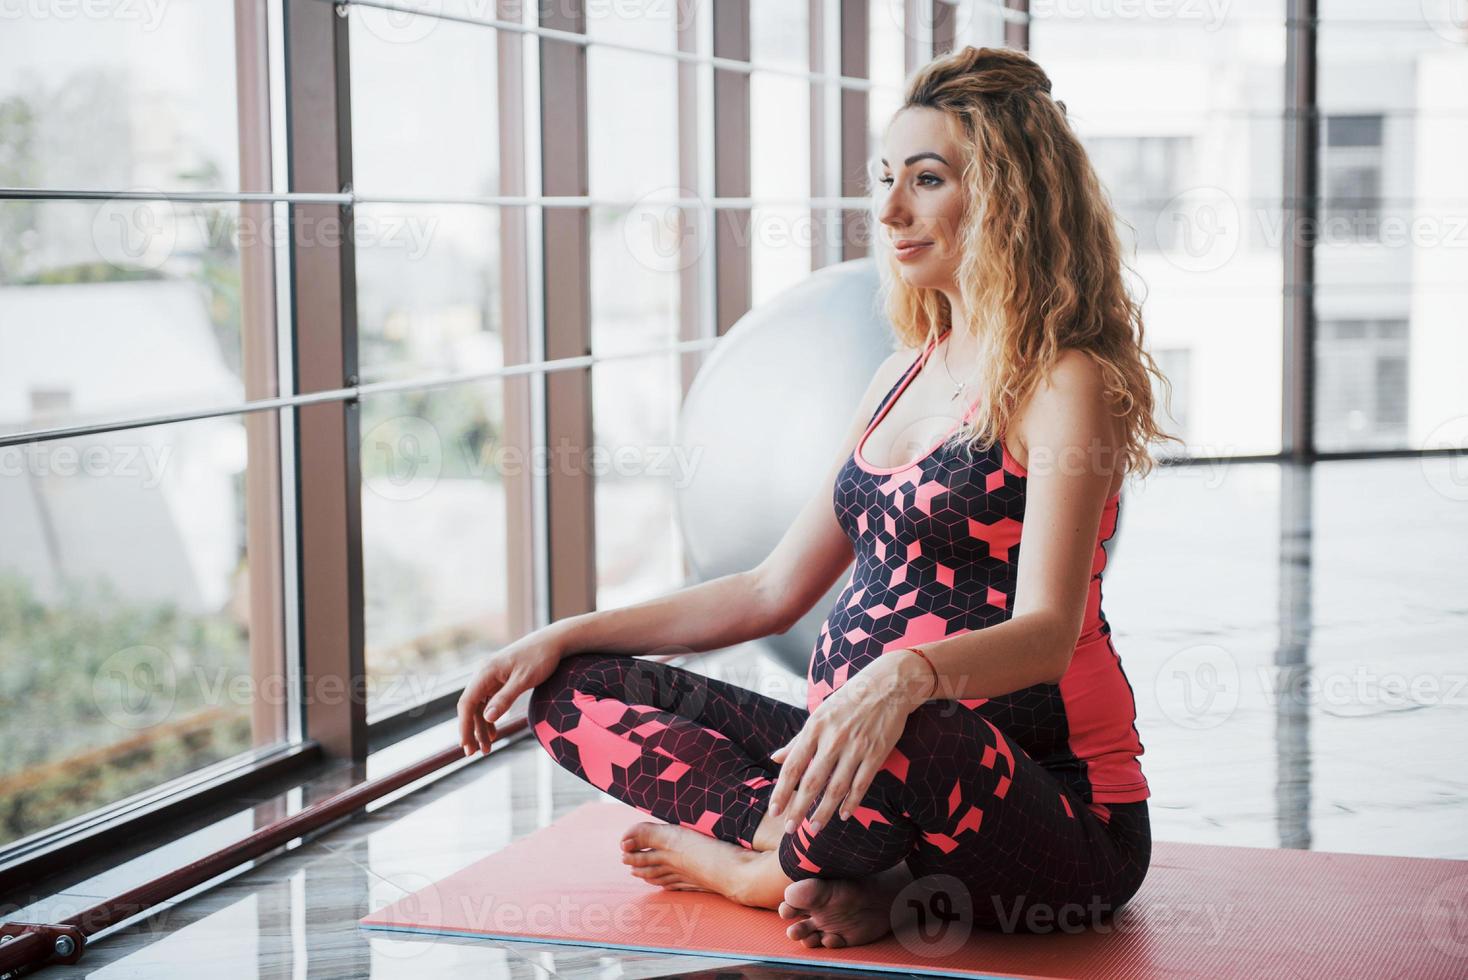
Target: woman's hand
[(848, 737), (505, 676)]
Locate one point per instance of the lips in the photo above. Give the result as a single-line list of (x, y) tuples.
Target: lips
[(908, 247)]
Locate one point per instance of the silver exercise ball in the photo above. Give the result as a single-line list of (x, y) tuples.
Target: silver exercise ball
[(764, 418)]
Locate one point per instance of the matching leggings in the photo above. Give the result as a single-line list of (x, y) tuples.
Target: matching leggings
[(955, 798)]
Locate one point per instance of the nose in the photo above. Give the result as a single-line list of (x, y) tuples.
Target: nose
[(894, 211)]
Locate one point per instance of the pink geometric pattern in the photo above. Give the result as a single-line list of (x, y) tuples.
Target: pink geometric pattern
[(1035, 795)]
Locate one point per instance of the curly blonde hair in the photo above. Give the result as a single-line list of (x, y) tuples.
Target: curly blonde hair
[(1040, 251)]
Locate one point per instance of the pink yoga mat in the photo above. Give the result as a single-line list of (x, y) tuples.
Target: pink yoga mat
[(1203, 911)]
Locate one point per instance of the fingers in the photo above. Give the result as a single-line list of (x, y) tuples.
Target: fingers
[(862, 782), (502, 699), (797, 754), (835, 791), (811, 784), (483, 731), (468, 712)]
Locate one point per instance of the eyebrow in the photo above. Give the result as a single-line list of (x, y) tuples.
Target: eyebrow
[(925, 155)]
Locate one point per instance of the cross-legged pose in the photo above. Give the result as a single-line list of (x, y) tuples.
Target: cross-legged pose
[(968, 731)]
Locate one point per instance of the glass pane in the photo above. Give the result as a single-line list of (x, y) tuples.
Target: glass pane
[(119, 96), (639, 552), (425, 115), (637, 259), (977, 22), (887, 42), (1391, 254), (128, 308), (428, 289), (644, 23), (779, 34), (434, 549), (780, 235), (1180, 114), (632, 107), (141, 631)]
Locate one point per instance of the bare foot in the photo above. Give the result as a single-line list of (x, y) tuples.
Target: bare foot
[(681, 859), (837, 912)]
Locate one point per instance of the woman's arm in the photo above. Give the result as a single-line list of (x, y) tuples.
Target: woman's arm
[(769, 598)]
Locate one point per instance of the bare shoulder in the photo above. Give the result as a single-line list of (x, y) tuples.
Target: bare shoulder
[(884, 377), (1071, 396)]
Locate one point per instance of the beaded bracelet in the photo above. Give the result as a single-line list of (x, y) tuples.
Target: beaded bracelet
[(930, 667)]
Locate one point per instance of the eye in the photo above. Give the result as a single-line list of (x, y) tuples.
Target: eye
[(925, 175)]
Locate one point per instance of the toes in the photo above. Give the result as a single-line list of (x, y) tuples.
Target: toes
[(808, 893), (833, 940), (640, 835), (788, 911)]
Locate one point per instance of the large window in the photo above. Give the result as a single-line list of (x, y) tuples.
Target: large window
[(242, 453), (141, 598), (1181, 109), (1391, 263)]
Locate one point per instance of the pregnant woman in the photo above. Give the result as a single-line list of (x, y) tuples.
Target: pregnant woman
[(968, 728)]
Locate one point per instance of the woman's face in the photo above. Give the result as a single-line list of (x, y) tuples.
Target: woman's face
[(919, 198)]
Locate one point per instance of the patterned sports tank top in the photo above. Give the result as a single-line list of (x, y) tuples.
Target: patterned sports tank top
[(937, 545)]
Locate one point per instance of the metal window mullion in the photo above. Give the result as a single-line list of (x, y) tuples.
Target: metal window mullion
[(565, 289), (515, 339), (259, 370), (1300, 210), (1017, 24), (329, 499), (855, 120), (732, 166)]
